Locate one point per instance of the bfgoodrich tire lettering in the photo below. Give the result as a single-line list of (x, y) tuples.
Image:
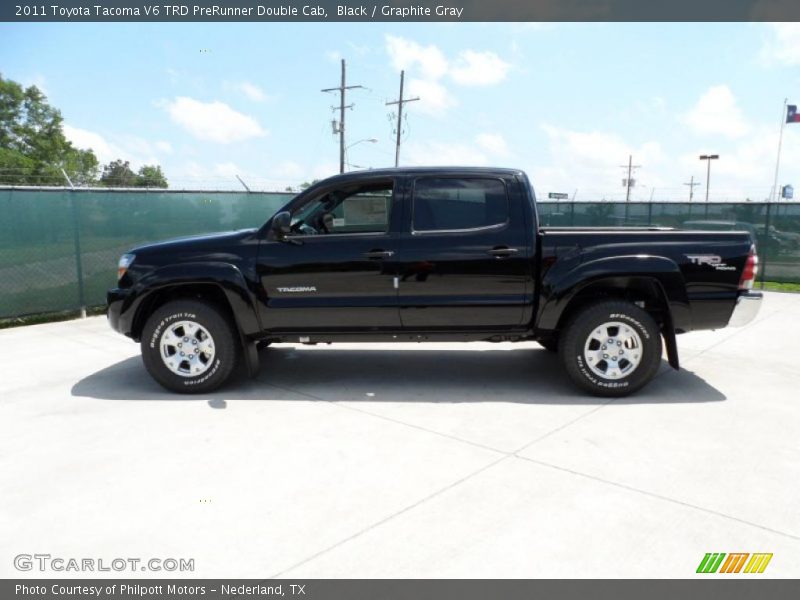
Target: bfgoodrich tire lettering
[(203, 324), (636, 342)]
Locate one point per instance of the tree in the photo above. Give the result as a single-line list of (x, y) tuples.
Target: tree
[(151, 176), (33, 147), (118, 173), (307, 184)]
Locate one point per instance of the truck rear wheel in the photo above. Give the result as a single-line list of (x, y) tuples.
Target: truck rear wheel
[(611, 349), (189, 347)]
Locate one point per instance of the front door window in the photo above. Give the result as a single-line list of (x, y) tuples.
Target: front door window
[(363, 209)]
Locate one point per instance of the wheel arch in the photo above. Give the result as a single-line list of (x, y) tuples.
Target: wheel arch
[(654, 283), (222, 284)]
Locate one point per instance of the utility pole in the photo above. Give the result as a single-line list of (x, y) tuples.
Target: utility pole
[(342, 89), (692, 184), (629, 182), (400, 103)]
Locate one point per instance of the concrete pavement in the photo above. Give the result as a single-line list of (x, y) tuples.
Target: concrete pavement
[(437, 460)]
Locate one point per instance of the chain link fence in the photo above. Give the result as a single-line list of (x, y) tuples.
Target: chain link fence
[(59, 248)]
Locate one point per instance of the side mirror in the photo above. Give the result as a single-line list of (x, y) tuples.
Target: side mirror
[(282, 224)]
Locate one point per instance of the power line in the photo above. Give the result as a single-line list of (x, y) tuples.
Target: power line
[(400, 101), (342, 89)]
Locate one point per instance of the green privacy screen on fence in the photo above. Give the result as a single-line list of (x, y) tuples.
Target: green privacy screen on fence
[(41, 230), (38, 266)]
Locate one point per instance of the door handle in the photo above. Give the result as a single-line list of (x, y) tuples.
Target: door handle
[(502, 252), (378, 254)]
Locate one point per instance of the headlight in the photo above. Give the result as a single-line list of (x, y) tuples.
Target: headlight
[(125, 261)]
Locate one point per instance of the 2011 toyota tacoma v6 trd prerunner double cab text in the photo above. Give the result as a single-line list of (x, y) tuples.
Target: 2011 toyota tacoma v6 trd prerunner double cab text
[(434, 254)]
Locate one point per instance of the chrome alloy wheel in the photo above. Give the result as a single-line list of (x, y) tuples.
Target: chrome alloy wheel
[(613, 350), (187, 349)]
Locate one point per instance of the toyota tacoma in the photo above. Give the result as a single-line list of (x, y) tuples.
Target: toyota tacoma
[(430, 254)]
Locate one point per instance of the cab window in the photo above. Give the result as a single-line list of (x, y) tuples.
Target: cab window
[(452, 204), (361, 209)]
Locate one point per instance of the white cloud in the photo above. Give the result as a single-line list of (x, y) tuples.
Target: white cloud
[(592, 160), (429, 66), (227, 169), (493, 143), (435, 97), (717, 113), (436, 153), (486, 149), (164, 147), (783, 45), (407, 54), (213, 121), (479, 68), (359, 49), (37, 80), (104, 150), (252, 91), (288, 170), (191, 169), (746, 167), (323, 170), (134, 149)]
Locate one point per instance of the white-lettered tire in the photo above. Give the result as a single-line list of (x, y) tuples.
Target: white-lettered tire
[(611, 349), (189, 346)]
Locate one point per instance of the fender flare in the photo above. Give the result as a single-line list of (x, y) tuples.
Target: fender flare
[(225, 276), (562, 289)]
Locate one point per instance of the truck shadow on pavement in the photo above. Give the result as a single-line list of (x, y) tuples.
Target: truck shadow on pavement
[(525, 376)]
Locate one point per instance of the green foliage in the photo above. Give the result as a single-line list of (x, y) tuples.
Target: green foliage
[(118, 173), (307, 184), (33, 148), (781, 286), (151, 176)]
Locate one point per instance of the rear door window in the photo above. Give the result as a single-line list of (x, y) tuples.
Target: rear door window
[(454, 204)]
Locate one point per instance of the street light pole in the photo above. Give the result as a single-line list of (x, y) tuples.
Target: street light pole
[(370, 140), (708, 158)]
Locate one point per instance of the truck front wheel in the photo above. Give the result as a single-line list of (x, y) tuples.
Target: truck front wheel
[(611, 349), (189, 346)]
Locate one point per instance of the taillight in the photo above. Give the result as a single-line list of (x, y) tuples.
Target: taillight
[(750, 270)]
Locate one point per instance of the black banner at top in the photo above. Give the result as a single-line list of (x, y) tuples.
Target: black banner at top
[(401, 10)]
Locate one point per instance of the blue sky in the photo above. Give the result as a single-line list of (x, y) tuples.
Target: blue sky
[(566, 102)]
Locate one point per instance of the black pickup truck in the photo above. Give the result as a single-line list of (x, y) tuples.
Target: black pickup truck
[(433, 254)]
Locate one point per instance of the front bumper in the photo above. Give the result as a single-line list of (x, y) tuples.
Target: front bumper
[(747, 305), (118, 301)]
